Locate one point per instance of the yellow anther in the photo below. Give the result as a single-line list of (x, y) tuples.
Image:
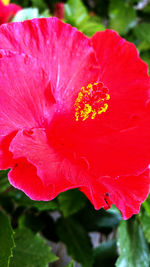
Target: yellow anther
[(91, 101), (107, 96)]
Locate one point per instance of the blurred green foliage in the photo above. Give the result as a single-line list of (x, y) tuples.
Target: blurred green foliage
[(27, 226)]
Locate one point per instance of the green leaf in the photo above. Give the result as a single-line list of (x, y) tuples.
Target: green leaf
[(6, 240), (25, 201), (91, 27), (37, 222), (99, 220), (45, 14), (146, 203), (25, 14), (71, 264), (105, 254), (122, 16), (145, 223), (142, 32), (40, 4), (31, 221), (146, 9), (46, 205), (6, 203), (76, 13), (134, 250), (71, 201), (77, 241), (143, 46), (4, 184), (22, 3), (145, 55), (31, 250), (100, 7)]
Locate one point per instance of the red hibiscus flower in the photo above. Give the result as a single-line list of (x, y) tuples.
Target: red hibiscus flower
[(74, 112), (7, 11)]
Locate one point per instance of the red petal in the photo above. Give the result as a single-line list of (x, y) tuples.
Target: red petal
[(6, 157), (13, 9), (126, 192), (109, 152), (114, 144), (124, 74), (20, 104), (97, 199), (24, 177), (118, 141), (66, 54), (52, 168)]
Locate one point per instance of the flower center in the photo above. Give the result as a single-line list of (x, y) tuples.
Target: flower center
[(91, 100)]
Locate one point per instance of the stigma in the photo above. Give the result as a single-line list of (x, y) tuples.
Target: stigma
[(91, 101)]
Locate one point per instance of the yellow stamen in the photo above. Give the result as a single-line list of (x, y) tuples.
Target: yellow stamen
[(91, 101)]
